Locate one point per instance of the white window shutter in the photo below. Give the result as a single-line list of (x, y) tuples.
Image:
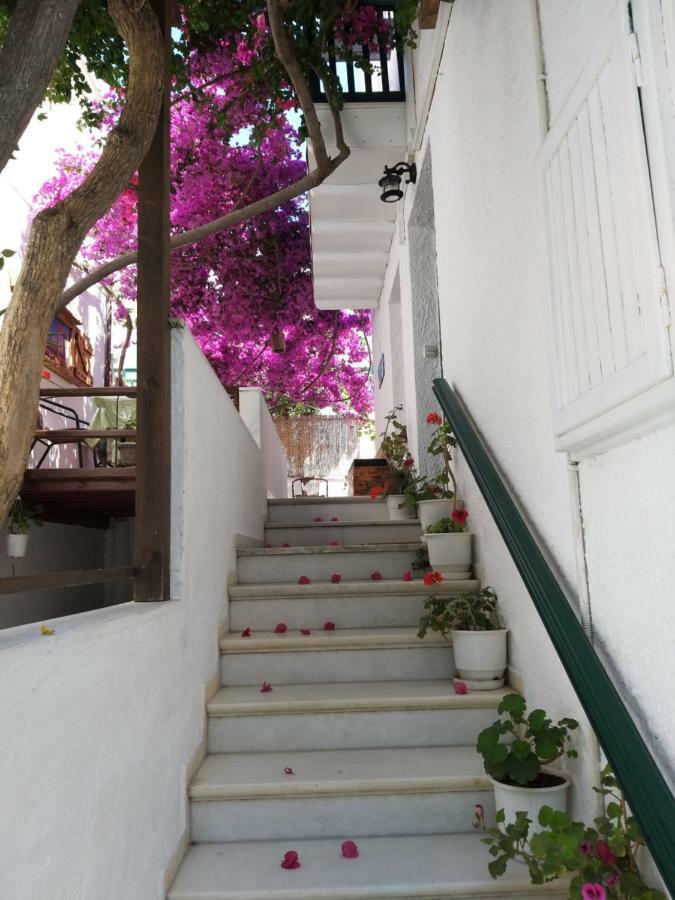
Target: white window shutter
[(606, 292)]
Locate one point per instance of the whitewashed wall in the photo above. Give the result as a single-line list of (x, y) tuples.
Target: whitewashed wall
[(256, 416), (484, 131), (103, 721)]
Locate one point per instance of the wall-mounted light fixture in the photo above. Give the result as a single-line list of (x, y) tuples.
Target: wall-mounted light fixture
[(391, 181)]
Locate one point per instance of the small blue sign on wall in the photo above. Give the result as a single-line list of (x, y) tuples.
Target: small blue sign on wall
[(380, 371)]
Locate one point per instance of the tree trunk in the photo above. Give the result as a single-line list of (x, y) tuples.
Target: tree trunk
[(37, 34), (57, 233)]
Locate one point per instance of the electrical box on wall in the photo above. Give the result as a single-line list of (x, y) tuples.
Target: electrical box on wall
[(430, 351)]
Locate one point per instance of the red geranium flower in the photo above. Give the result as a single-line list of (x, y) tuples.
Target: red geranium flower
[(432, 578), (407, 576), (303, 579), (605, 854), (434, 419), (246, 632), (335, 579), (408, 462), (376, 492), (290, 860), (266, 687), (349, 850), (460, 515), (281, 628), (329, 626)]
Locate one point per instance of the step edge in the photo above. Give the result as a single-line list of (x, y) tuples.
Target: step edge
[(286, 644), (284, 590), (351, 523), (266, 552), (478, 701)]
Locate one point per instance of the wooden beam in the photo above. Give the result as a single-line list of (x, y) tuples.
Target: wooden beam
[(71, 578), (89, 392), (153, 441), (428, 13)]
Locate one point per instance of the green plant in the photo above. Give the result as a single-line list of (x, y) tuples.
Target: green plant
[(454, 524), (443, 442), (473, 611), (602, 859), (420, 561), (22, 517), (395, 448), (515, 748)]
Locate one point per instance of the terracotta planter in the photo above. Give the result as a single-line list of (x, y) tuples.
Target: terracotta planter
[(515, 798), (450, 554), (480, 656), (396, 513), (430, 511), (17, 544)]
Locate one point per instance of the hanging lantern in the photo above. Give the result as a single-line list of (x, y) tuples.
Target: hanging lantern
[(278, 341)]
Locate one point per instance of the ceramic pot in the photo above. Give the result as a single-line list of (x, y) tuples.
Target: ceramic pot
[(396, 513), (17, 544), (450, 554), (516, 798), (430, 511), (480, 655)]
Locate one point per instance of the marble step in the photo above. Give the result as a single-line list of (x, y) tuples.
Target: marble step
[(311, 534), (432, 866), (415, 790), (364, 604), (347, 715), (306, 509), (355, 562), (343, 655)]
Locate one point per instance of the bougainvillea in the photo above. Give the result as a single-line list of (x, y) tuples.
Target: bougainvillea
[(238, 288)]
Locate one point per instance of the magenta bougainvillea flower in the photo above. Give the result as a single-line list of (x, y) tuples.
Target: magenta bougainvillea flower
[(460, 687), (349, 850), (305, 631), (329, 626), (335, 578), (303, 579), (266, 687), (593, 892), (246, 632), (288, 771), (407, 576), (281, 628), (376, 576), (291, 860)]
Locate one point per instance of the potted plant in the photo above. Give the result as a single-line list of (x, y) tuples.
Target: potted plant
[(126, 447), (478, 640), (601, 860), (20, 519), (518, 752), (449, 545), (438, 495), (395, 448)]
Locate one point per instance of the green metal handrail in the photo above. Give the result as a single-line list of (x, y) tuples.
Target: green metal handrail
[(646, 790)]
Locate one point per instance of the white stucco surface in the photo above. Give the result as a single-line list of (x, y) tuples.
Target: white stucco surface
[(256, 416), (101, 720)]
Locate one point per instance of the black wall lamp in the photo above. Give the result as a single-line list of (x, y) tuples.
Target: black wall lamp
[(391, 181)]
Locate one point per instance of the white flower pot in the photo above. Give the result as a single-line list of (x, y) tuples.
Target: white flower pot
[(480, 655), (17, 544), (395, 512), (515, 798), (430, 511), (450, 554)]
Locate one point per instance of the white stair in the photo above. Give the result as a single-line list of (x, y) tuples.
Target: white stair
[(380, 747)]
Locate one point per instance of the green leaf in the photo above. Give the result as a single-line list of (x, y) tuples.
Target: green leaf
[(8, 253), (513, 704), (545, 815), (500, 817)]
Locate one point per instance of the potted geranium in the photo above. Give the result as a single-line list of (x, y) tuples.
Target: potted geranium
[(478, 640), (395, 448), (517, 753), (438, 494), (449, 545), (600, 860), (20, 519)]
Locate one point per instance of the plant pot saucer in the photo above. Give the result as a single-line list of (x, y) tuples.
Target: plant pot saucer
[(492, 684)]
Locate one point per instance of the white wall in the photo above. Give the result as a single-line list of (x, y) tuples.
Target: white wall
[(102, 721), (256, 416)]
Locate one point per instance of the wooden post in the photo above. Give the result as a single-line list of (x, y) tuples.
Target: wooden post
[(153, 450)]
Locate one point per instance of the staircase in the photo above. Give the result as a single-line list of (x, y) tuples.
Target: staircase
[(361, 737)]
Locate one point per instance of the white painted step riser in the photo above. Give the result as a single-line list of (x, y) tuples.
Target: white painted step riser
[(348, 730), (319, 535), (320, 817), (322, 666), (311, 612), (365, 510), (319, 567)]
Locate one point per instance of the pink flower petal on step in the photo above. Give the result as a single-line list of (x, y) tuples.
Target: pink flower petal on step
[(305, 631), (407, 576), (335, 579), (329, 626), (332, 543), (290, 860), (303, 579), (288, 771), (376, 576), (266, 687), (349, 850), (285, 545), (268, 546), (246, 632), (281, 628), (335, 519), (318, 519), (460, 687)]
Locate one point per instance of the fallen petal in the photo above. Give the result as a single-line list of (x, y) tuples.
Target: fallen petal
[(335, 519), (285, 545), (318, 519), (290, 860), (281, 628), (408, 576), (303, 579), (45, 630), (335, 579), (329, 626), (332, 543), (376, 576), (288, 771), (305, 631), (246, 632), (349, 850), (460, 687), (266, 687)]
